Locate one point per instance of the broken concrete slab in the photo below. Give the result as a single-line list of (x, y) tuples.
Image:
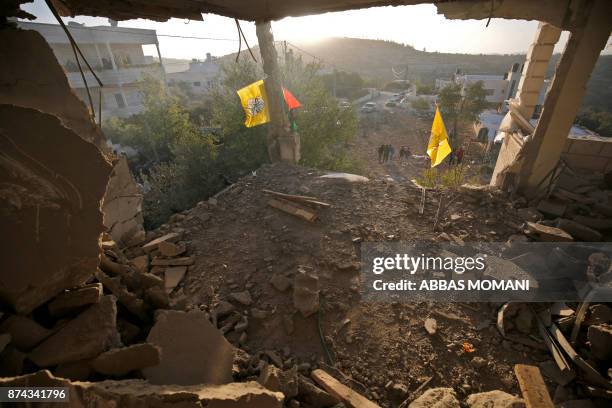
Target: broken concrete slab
[(120, 361), (25, 332), (306, 291), (599, 224), (276, 379), (89, 334), (193, 351), (173, 276), (494, 399), (579, 231), (76, 371), (183, 261), (73, 300), (133, 303), (170, 249), (122, 206), (141, 263), (153, 245), (552, 207), (11, 361), (139, 393), (529, 214), (548, 234), (44, 188), (5, 339), (436, 398)]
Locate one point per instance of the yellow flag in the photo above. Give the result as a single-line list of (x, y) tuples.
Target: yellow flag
[(438, 147), (255, 104)]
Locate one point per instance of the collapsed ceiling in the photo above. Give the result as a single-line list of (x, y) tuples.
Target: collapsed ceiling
[(260, 10)]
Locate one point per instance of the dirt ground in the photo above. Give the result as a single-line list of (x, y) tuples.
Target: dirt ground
[(240, 243)]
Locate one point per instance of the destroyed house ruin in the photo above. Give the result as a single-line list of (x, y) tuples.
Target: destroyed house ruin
[(78, 312)]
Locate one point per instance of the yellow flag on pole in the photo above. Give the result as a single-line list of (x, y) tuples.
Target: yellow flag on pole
[(438, 147), (254, 101)]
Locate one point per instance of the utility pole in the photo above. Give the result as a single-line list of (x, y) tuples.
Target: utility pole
[(282, 144)]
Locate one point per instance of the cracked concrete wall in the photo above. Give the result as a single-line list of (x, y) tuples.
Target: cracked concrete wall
[(49, 207), (54, 175), (24, 83)]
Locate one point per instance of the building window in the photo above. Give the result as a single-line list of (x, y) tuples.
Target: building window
[(119, 100), (197, 83), (511, 93), (483, 135)]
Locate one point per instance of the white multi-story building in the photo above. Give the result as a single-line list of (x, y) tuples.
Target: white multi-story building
[(116, 55), (199, 78), (495, 86)]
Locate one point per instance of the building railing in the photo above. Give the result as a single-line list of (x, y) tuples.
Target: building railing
[(126, 75)]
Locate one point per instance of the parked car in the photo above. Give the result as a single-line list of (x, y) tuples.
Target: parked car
[(391, 104), (368, 107)]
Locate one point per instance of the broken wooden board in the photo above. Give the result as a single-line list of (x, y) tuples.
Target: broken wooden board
[(532, 386), (559, 358), (298, 198), (351, 398), (293, 209)]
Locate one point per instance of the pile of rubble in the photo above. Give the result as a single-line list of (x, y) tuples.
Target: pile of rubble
[(579, 208)]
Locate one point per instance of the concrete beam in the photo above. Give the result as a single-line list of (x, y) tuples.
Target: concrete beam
[(282, 144), (565, 95)]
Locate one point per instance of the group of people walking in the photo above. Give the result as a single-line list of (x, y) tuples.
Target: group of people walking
[(456, 156), (386, 152)]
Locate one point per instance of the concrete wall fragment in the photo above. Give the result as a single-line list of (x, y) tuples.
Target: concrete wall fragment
[(51, 185)]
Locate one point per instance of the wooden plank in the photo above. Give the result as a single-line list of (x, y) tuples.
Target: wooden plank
[(293, 209), (351, 398), (532, 386), (298, 198)]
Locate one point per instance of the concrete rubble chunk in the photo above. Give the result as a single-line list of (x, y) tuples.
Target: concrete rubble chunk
[(306, 291), (193, 351), (87, 335), (46, 252), (431, 326), (122, 206), (25, 332), (11, 361), (134, 304), (77, 371), (73, 300), (120, 361), (276, 379), (494, 399), (600, 338), (313, 395), (552, 207), (599, 224), (548, 234), (141, 263), (183, 261), (139, 393), (529, 214), (436, 398), (244, 297), (157, 297), (173, 276), (153, 245), (579, 231), (170, 249)]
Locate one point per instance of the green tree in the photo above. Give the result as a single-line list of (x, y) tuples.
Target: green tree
[(421, 105), (456, 107)]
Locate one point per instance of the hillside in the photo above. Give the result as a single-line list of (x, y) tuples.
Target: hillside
[(373, 60)]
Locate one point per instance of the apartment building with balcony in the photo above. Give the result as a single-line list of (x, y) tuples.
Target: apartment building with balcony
[(115, 53)]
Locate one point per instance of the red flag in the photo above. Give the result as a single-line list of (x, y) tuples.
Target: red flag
[(292, 103)]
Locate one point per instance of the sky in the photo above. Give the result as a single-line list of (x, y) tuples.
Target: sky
[(419, 26)]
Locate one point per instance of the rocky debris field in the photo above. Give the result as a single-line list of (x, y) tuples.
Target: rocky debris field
[(261, 302)]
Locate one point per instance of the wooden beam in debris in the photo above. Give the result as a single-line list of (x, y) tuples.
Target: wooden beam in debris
[(532, 386), (351, 398), (293, 209), (557, 355), (298, 198)]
